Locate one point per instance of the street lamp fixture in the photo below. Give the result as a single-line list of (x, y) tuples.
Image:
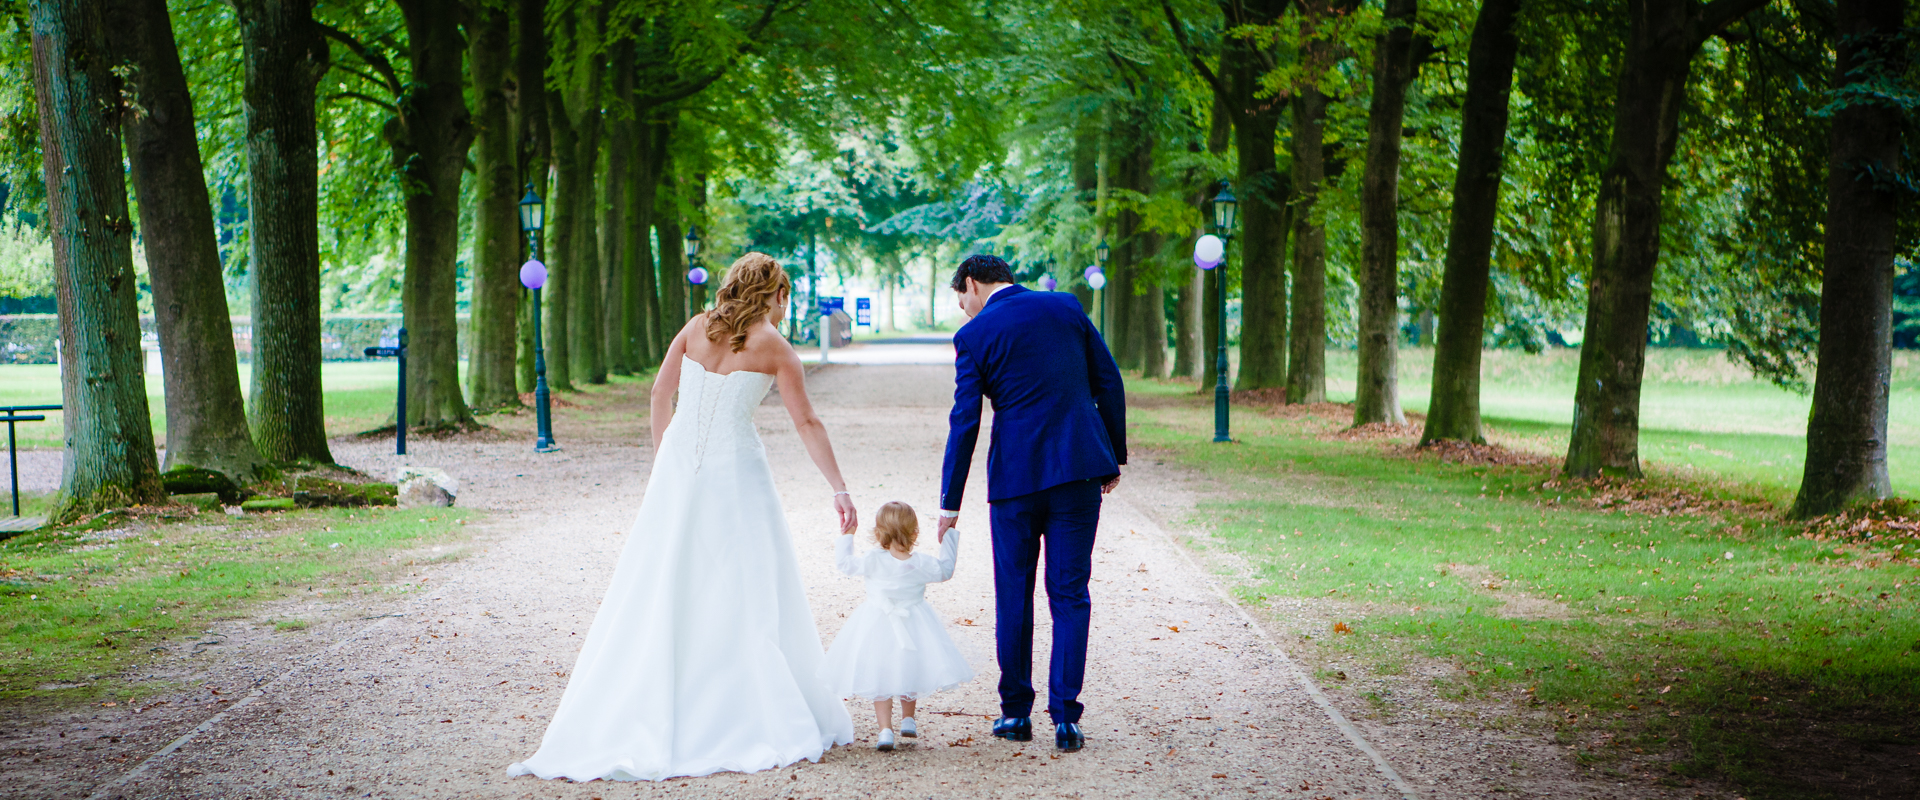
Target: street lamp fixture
[(533, 275), (1225, 209)]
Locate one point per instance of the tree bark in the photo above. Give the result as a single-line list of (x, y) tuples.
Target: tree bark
[(1662, 37), (641, 189), (584, 311), (1377, 386), (206, 413), (284, 56), (1847, 429), (109, 460), (492, 332), (533, 138), (1130, 167), (1454, 410), (617, 279), (1262, 192), (1307, 362), (430, 139), (561, 267), (673, 259)]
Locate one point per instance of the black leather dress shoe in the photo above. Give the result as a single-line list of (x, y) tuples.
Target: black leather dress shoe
[(1068, 738), (1014, 729)]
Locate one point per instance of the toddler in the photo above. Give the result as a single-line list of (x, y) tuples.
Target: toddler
[(893, 645)]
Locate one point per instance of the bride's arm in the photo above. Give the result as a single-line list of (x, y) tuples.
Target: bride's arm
[(665, 383), (792, 378)]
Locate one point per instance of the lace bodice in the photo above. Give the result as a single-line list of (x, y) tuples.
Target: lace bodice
[(715, 412)]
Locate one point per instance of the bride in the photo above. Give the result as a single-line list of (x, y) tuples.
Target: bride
[(703, 657)]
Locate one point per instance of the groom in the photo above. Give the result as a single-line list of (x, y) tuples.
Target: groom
[(1059, 438)]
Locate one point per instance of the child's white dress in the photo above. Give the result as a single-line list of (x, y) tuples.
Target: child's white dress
[(893, 645)]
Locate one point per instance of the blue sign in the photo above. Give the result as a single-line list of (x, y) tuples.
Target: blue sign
[(863, 311), (828, 305)]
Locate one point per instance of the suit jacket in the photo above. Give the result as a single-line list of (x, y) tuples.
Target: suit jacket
[(1059, 409)]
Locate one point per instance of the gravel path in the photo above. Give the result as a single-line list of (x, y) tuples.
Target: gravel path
[(1186, 696)]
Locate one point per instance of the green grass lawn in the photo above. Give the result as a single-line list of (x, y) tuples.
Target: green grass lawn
[(1725, 642), (78, 605)]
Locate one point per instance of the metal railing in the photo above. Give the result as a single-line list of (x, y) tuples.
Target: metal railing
[(11, 415)]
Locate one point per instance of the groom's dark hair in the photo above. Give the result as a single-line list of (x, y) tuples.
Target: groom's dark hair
[(982, 269)]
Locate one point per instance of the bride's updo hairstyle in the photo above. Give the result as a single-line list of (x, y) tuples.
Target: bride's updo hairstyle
[(742, 300), (896, 524)]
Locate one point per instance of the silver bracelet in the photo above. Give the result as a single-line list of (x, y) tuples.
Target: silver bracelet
[(837, 494)]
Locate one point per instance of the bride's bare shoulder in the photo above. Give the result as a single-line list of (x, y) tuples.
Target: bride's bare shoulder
[(767, 348)]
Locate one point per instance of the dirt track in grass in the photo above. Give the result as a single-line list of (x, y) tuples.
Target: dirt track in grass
[(434, 693)]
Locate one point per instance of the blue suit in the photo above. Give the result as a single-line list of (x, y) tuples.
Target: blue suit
[(1059, 432)]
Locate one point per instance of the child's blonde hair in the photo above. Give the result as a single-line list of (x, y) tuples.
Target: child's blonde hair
[(896, 523)]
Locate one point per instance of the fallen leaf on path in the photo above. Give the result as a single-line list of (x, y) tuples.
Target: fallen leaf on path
[(1341, 627)]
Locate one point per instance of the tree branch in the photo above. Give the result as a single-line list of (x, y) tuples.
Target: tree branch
[(371, 57), (365, 98), (682, 89), (1199, 64), (1721, 13)]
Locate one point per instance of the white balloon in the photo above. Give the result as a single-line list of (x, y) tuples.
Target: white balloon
[(1097, 280), (1209, 251)]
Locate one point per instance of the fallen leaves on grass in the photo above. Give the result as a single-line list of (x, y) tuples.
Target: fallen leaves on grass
[(1457, 452), (1375, 431), (1650, 499), (1341, 627), (1887, 521)]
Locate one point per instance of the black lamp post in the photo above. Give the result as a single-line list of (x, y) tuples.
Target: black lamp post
[(1224, 210), (533, 275), (696, 277), (1098, 280)]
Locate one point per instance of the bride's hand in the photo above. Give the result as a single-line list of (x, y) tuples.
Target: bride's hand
[(849, 516)]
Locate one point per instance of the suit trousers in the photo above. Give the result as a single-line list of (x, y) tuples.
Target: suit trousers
[(1061, 520)]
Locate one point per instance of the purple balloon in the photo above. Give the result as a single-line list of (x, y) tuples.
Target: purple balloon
[(1048, 283), (1090, 271), (697, 276), (533, 274)]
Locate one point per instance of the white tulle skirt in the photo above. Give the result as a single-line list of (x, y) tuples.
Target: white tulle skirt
[(703, 657), (869, 659)]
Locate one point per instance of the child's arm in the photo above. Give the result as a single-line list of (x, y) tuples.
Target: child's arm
[(844, 558), (949, 553)]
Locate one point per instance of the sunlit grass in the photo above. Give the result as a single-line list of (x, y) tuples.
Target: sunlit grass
[(1721, 636), (77, 606)]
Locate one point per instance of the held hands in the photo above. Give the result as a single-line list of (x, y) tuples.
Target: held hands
[(946, 524), (849, 516), (1109, 486)]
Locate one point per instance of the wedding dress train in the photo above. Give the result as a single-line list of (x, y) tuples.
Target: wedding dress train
[(703, 657)]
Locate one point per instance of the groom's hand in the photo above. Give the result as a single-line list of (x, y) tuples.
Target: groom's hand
[(1109, 486), (946, 524)]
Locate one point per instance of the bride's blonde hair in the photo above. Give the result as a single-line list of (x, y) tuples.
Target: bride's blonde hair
[(896, 524), (742, 300)]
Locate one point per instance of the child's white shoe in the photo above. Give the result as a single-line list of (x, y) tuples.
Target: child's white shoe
[(886, 740), (908, 729)]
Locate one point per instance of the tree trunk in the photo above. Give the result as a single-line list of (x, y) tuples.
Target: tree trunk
[(532, 136), (1661, 40), (206, 413), (1377, 386), (616, 280), (1847, 430), (1454, 411), (284, 57), (1129, 168), (110, 460), (491, 333), (673, 258), (1186, 321), (430, 139), (1262, 192), (1307, 362), (583, 293), (643, 300), (561, 268)]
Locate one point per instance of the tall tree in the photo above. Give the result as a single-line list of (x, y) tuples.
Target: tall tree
[(1259, 185), (492, 330), (1662, 38), (1307, 340), (642, 284), (110, 459), (430, 140), (673, 259), (614, 234), (532, 135), (206, 413), (284, 57), (1847, 430), (1377, 387), (1454, 411)]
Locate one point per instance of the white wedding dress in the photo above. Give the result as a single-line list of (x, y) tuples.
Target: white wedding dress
[(703, 657)]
